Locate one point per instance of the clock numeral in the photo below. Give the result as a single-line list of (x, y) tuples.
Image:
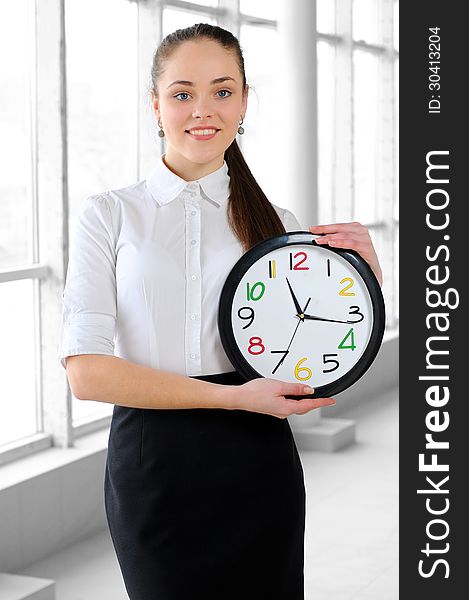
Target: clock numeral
[(296, 267), (351, 335), (284, 352), (326, 360), (256, 342), (299, 369), (272, 269), (249, 317), (356, 311), (344, 292), (328, 267), (251, 291)]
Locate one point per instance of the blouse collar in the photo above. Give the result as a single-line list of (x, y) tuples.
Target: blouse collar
[(165, 186)]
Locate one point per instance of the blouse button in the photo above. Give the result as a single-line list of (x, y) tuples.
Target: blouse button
[(193, 213), (192, 355), (193, 277), (193, 242), (193, 317)]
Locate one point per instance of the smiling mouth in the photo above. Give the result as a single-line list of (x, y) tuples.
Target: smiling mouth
[(202, 132)]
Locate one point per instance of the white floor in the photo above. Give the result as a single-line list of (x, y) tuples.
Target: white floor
[(351, 530)]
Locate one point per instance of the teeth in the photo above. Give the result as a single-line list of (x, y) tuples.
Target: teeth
[(203, 131)]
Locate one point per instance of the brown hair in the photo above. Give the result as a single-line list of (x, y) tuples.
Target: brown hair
[(250, 214)]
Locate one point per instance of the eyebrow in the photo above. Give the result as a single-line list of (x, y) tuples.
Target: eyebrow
[(213, 82)]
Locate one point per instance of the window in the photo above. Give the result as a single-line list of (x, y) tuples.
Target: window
[(18, 355), (326, 118), (19, 258), (264, 9), (358, 125), (365, 135), (101, 77), (263, 123), (178, 19), (16, 139), (102, 116)]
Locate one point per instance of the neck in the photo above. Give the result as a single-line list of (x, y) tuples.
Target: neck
[(190, 171)]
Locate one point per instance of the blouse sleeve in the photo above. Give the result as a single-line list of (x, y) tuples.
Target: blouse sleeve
[(89, 296), (290, 222)]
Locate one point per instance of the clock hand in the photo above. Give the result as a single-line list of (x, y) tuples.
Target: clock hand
[(315, 318), (295, 300), (306, 306), (291, 340), (294, 333)]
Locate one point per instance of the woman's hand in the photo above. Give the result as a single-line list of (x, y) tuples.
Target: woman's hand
[(267, 396), (350, 235)]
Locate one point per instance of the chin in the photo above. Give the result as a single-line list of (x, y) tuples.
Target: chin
[(204, 157)]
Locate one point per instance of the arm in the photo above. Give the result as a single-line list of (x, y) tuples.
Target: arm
[(114, 380), (117, 381)]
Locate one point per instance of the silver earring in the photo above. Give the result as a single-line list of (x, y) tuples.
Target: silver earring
[(160, 132), (241, 129)]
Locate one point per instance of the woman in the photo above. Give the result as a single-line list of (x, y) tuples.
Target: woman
[(204, 487)]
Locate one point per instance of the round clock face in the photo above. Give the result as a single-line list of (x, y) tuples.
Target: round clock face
[(299, 312)]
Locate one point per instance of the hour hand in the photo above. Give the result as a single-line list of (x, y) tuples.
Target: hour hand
[(295, 300), (316, 318)]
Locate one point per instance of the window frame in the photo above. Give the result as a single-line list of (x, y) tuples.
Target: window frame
[(385, 226), (48, 186)]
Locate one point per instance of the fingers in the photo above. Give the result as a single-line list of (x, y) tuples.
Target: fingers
[(275, 402), (350, 235), (301, 407), (354, 226), (346, 240), (353, 236), (295, 389)]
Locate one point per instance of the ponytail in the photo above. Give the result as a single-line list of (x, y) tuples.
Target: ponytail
[(250, 214)]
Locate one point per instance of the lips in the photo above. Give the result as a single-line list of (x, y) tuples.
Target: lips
[(205, 131), (200, 134)]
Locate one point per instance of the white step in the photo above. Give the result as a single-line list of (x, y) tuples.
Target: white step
[(22, 587), (328, 435)]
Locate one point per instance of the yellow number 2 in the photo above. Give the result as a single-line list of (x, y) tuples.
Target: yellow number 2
[(347, 287)]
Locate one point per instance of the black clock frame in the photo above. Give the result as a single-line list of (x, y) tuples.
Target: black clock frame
[(295, 238)]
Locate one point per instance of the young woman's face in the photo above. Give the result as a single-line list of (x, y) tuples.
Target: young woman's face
[(201, 89)]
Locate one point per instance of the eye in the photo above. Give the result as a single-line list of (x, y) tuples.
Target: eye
[(182, 94), (224, 92)]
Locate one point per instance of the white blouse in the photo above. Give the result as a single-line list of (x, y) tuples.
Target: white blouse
[(146, 268)]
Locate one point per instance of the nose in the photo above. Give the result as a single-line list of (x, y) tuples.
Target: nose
[(202, 109)]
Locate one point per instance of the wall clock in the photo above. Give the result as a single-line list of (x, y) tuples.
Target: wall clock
[(294, 310)]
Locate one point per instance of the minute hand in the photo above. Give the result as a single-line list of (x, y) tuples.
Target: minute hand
[(315, 318), (295, 300)]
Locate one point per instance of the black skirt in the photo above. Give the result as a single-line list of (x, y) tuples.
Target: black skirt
[(205, 503)]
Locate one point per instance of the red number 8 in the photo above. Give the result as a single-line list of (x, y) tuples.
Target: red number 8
[(253, 342)]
